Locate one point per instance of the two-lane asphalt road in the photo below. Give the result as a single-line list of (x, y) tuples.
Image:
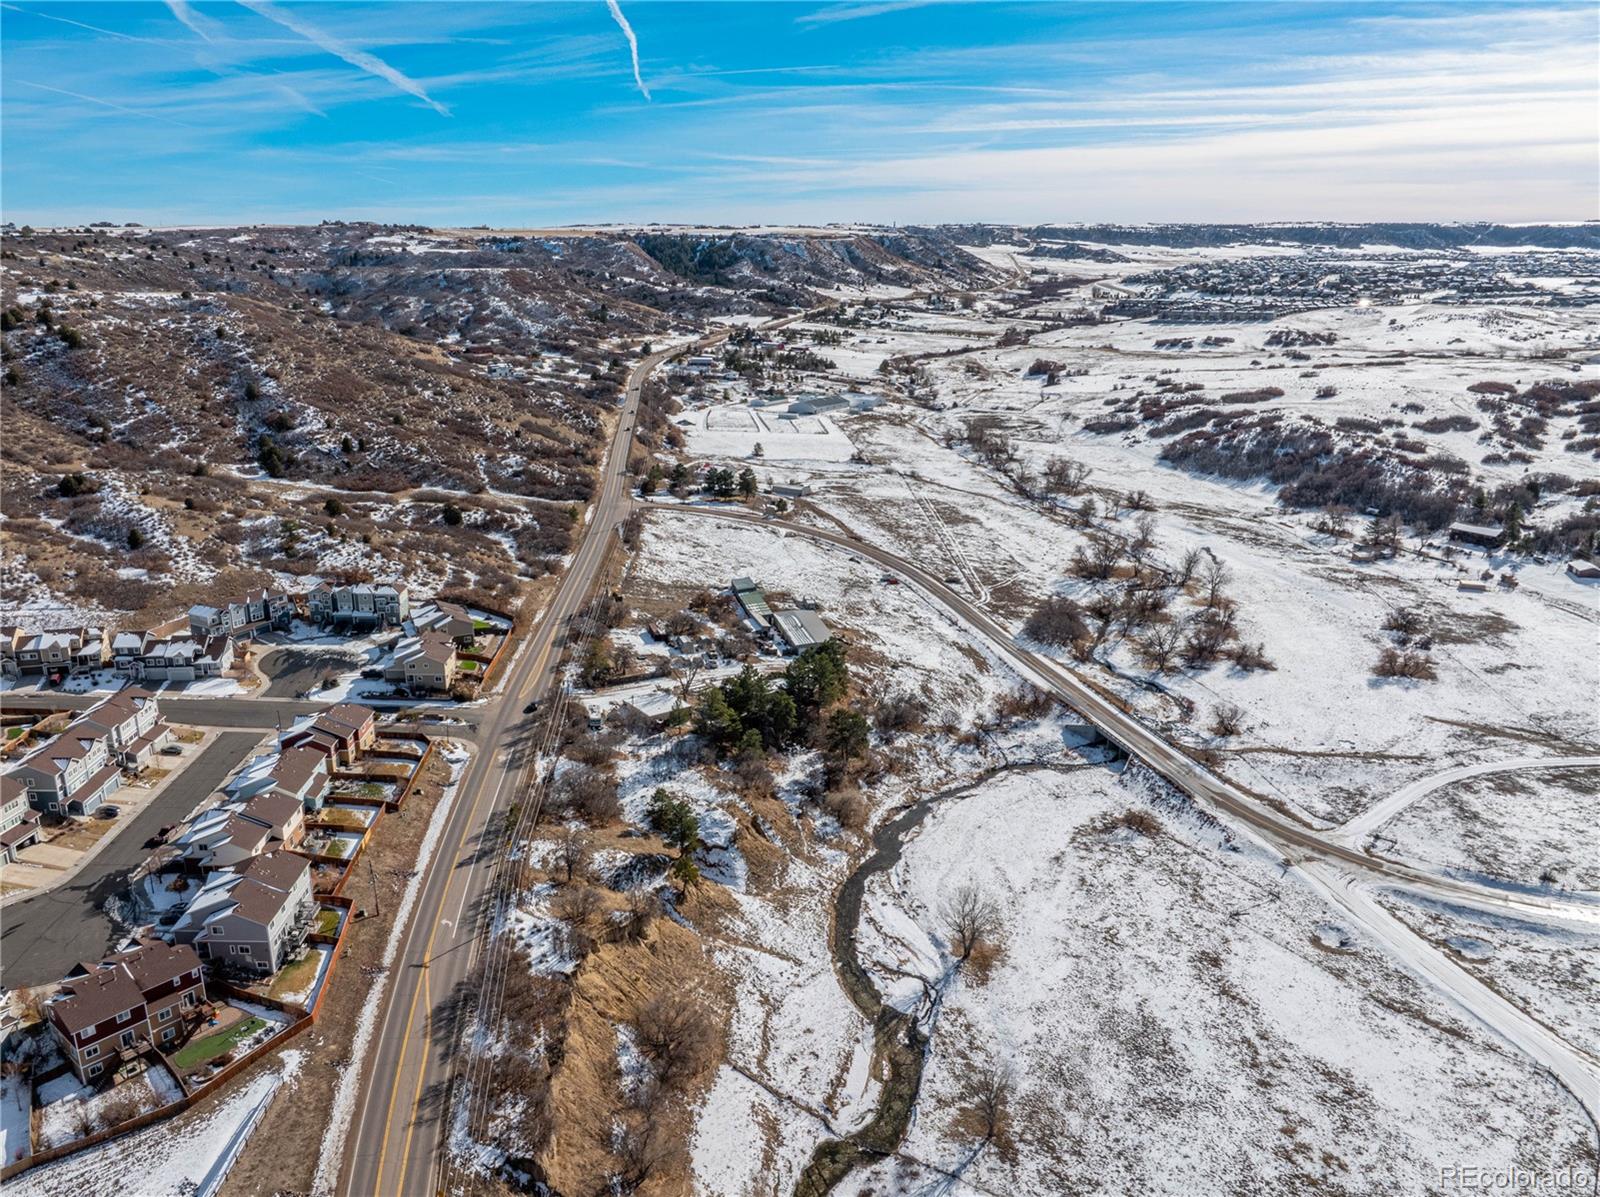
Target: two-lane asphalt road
[(401, 1121)]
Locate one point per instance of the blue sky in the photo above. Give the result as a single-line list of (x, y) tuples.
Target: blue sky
[(523, 115)]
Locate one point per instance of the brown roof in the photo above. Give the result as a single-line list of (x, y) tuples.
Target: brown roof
[(52, 757), (256, 902), (274, 809), (11, 789), (150, 737), (102, 995), (296, 766), (332, 741), (155, 963), (279, 870), (244, 831), (98, 780), (347, 714), (28, 826), (120, 983)]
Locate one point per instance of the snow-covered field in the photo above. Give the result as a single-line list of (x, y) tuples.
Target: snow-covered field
[(799, 1065), (1321, 735), (1181, 1013), (1182, 1017), (1526, 827), (734, 431)]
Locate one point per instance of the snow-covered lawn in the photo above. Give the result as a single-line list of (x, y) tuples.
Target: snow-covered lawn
[(70, 1111), (734, 430), (14, 1118)]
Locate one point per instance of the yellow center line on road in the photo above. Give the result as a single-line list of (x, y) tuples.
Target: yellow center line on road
[(411, 1014), (537, 670)]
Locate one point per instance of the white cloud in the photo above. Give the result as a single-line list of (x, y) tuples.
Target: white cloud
[(201, 27)]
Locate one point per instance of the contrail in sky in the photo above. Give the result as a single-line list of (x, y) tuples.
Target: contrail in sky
[(633, 43), (357, 58)]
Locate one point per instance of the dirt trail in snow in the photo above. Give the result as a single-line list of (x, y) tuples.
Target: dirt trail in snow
[(1380, 813)]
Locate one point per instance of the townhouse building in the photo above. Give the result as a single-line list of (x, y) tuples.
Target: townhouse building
[(19, 822), (106, 1013), (251, 611), (341, 733), (359, 606), (132, 723), (426, 662), (72, 774), (251, 919), (52, 653)]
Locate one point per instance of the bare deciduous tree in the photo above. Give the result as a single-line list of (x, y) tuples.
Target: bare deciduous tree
[(1188, 564), (640, 1150), (1214, 578), (1161, 644), (677, 1034), (1144, 538), (1063, 476), (1227, 719), (972, 919), (986, 1104), (572, 852)]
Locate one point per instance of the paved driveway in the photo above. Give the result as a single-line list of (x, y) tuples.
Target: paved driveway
[(44, 936)]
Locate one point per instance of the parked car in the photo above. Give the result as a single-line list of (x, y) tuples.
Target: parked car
[(108, 811), (531, 707), (172, 750)]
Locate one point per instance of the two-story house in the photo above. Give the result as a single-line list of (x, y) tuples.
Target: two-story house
[(106, 1013), (219, 838), (72, 774), (454, 620), (19, 822), (360, 606), (425, 662), (251, 919), (283, 816), (131, 720), (242, 613), (53, 653), (182, 658), (341, 733)]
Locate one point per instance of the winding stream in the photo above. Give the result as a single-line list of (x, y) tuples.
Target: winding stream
[(898, 1039)]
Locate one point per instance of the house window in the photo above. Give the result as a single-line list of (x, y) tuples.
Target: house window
[(127, 1039), (90, 1053), (188, 999), (244, 949), (125, 1015), (94, 1070), (168, 1033), (165, 1014)]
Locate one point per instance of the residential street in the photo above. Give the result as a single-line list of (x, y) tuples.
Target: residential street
[(46, 935)]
